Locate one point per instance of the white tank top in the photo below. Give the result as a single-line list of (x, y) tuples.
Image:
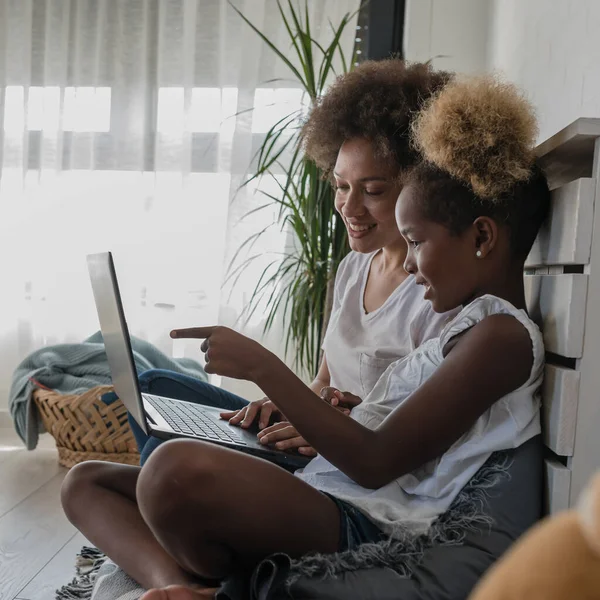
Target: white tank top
[(360, 346), (417, 498)]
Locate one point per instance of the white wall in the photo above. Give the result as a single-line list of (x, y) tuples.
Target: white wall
[(454, 31), (551, 48)]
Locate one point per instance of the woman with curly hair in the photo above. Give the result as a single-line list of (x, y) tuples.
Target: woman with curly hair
[(469, 214), (358, 134)]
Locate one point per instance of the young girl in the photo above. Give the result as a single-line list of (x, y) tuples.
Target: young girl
[(469, 215)]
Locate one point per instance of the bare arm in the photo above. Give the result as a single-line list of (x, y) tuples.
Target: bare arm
[(486, 363)]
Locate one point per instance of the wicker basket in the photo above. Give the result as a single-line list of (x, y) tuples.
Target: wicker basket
[(87, 429)]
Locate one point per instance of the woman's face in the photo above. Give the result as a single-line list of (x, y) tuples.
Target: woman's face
[(366, 192)]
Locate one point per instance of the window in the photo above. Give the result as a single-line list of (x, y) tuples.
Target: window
[(85, 109), (211, 110), (271, 105)]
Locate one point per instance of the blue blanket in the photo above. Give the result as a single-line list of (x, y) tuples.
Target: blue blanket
[(75, 368)]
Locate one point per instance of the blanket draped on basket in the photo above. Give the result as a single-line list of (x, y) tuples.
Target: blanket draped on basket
[(75, 368)]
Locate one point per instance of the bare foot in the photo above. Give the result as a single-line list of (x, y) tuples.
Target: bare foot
[(180, 592)]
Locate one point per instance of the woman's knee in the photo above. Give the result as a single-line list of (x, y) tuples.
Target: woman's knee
[(148, 377)]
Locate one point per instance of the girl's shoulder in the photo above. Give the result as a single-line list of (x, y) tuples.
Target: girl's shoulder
[(487, 306)]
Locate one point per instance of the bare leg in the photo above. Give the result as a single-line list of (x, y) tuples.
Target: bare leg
[(213, 509), (99, 499)]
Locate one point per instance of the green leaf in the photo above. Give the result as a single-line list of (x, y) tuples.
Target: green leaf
[(304, 51), (270, 44), (294, 43), (329, 54), (257, 209)]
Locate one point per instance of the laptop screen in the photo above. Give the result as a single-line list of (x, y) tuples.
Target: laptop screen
[(116, 335)]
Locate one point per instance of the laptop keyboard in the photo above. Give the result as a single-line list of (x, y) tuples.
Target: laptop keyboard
[(191, 419)]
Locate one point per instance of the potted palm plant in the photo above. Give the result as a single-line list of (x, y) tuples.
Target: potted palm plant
[(299, 286)]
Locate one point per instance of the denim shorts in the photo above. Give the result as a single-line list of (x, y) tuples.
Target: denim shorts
[(355, 527)]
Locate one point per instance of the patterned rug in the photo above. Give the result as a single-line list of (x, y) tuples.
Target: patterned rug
[(87, 565)]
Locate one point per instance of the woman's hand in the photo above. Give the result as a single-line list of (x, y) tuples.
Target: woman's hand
[(227, 352), (264, 409), (343, 401), (284, 436)]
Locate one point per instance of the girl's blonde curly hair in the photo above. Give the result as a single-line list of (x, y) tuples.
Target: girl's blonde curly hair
[(481, 131), (477, 139)]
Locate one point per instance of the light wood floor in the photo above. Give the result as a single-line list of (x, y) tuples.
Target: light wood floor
[(37, 544)]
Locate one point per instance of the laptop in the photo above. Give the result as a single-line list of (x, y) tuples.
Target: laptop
[(162, 417)]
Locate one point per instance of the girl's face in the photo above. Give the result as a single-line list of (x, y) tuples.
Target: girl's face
[(366, 193), (447, 265)]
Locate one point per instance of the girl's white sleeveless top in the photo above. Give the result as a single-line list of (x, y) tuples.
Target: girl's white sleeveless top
[(417, 498)]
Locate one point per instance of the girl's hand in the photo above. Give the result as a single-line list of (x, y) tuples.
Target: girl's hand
[(284, 436), (264, 409), (227, 352), (343, 401)]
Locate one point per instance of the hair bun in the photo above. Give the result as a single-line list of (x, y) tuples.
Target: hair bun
[(481, 131)]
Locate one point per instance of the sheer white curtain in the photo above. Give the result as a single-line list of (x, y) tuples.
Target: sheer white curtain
[(118, 130)]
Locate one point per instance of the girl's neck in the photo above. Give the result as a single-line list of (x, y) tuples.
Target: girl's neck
[(510, 287)]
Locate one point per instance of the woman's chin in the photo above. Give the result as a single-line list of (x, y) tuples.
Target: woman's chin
[(364, 244)]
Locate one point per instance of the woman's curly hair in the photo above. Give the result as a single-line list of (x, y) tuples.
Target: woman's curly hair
[(477, 140), (376, 101)]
